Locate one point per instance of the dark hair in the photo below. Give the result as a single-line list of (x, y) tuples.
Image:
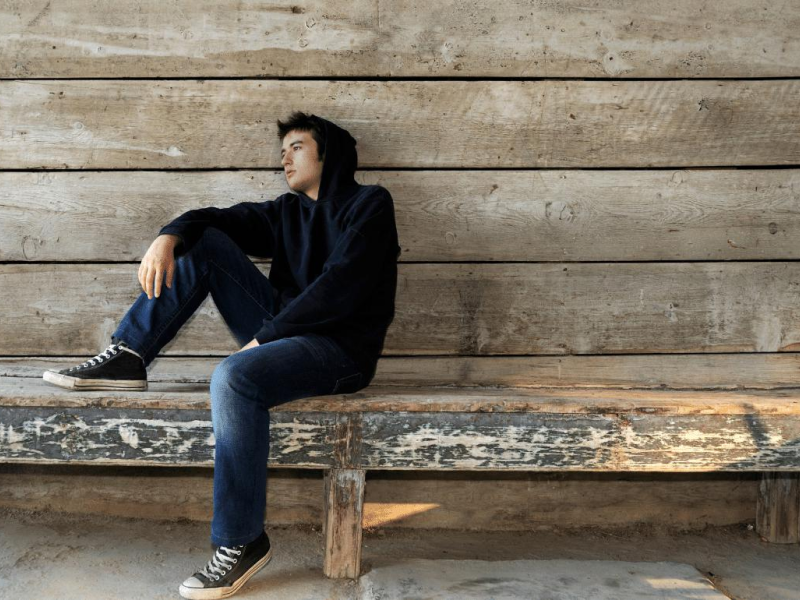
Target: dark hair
[(303, 122)]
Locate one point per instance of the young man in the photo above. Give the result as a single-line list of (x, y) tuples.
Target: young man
[(315, 326)]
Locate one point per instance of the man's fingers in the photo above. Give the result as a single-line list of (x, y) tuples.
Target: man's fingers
[(151, 276), (159, 276)]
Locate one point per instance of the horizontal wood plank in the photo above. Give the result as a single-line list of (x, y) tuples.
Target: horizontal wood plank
[(457, 309), (495, 501), (115, 124), (152, 437), (400, 39), (26, 393), (534, 441), (547, 215), (606, 440), (765, 370)]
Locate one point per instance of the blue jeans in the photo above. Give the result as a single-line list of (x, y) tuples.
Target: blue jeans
[(246, 384)]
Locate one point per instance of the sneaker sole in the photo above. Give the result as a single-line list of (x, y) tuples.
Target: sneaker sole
[(77, 383), (214, 593)]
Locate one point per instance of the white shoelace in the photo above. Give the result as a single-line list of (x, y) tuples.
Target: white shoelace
[(105, 354), (221, 562)]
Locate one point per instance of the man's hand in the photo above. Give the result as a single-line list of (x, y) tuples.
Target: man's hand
[(158, 263), (251, 344)]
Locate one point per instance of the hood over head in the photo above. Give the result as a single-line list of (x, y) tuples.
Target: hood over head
[(339, 168)]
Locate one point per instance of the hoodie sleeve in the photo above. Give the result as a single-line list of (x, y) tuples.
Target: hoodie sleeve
[(347, 278), (252, 225)]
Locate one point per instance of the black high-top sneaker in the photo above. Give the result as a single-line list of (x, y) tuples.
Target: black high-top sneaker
[(228, 570), (116, 368)]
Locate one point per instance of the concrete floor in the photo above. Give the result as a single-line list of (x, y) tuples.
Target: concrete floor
[(47, 556)]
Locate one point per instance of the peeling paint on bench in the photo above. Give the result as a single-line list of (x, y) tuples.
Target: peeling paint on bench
[(149, 436), (414, 440)]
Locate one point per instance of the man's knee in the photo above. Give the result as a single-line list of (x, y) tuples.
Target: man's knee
[(231, 374), (223, 374)]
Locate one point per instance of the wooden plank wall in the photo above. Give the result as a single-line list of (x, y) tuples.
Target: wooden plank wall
[(587, 193)]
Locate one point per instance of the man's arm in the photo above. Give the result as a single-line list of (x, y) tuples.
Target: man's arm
[(252, 225), (348, 277)]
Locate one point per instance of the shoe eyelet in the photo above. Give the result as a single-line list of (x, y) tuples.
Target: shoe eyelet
[(216, 577), (235, 559)]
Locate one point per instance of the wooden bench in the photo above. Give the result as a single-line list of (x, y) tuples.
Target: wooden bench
[(413, 427), (604, 284)]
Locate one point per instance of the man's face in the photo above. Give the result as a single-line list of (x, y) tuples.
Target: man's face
[(300, 162)]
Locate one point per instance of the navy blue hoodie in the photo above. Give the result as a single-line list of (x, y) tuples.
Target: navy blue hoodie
[(334, 259)]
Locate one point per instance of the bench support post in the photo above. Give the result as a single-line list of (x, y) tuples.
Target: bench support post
[(344, 503), (778, 508)]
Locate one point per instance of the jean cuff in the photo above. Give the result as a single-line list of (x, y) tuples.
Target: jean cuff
[(235, 541), (133, 343)]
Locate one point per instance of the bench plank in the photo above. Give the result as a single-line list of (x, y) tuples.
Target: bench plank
[(603, 442), (150, 436), (34, 392), (672, 371), (611, 430)]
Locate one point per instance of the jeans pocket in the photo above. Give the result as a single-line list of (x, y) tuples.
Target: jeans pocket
[(348, 384)]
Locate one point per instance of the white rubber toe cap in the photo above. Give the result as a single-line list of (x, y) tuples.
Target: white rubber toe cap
[(193, 582)]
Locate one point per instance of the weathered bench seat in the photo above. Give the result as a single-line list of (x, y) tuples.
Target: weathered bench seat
[(432, 428)]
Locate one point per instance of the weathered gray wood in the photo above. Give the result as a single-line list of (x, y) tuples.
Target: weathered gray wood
[(682, 308), (231, 123), (725, 214), (766, 370), (343, 513), (149, 437), (293, 495), (460, 309), (25, 393), (603, 442), (401, 39), (469, 430), (496, 501), (778, 508), (519, 501)]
